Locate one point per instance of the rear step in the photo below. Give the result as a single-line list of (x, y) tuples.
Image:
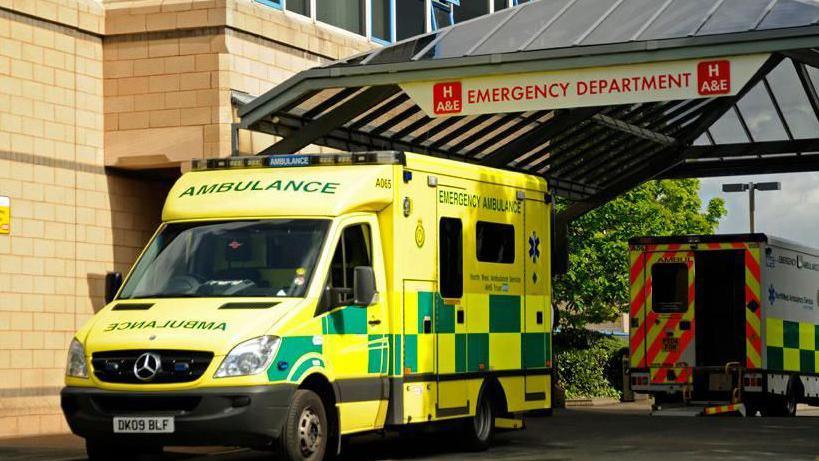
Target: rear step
[(699, 409)]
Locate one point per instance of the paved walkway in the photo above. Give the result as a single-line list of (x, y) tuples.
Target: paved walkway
[(623, 431)]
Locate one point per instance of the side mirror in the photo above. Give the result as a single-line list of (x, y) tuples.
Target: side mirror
[(113, 281), (364, 286)]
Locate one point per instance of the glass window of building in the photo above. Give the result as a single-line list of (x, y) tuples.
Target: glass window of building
[(409, 16), (441, 15), (299, 6), (500, 4), (469, 9), (382, 25), (273, 3), (346, 14)]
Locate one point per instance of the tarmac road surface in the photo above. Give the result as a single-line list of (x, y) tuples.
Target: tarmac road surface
[(624, 431)]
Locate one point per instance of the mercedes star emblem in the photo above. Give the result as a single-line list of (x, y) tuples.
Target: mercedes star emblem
[(147, 366)]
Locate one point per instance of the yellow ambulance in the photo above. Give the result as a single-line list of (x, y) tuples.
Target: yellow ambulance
[(288, 301)]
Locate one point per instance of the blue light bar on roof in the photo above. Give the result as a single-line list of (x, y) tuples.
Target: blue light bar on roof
[(300, 160)]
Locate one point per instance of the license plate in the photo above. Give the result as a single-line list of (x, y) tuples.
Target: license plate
[(143, 424)]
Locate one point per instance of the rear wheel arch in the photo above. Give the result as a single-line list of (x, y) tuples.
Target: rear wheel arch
[(493, 389), (798, 386)]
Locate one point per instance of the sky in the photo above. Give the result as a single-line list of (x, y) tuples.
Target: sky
[(791, 213)]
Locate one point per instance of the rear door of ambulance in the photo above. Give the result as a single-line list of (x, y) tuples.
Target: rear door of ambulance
[(669, 327)]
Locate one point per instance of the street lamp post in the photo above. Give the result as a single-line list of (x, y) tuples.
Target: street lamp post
[(751, 187)]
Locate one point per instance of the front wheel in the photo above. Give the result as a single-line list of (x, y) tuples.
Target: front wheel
[(480, 429), (305, 432)]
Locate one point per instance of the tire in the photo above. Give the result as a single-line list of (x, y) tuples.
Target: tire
[(305, 432), (479, 430), (98, 450), (783, 405), (789, 408)]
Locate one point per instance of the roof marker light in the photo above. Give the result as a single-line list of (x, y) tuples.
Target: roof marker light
[(300, 160)]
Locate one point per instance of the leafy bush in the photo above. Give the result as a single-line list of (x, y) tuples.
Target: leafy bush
[(589, 364)]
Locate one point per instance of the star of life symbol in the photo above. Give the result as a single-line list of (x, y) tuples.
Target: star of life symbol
[(771, 294), (534, 247)]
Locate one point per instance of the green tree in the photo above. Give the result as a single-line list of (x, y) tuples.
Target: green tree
[(596, 289)]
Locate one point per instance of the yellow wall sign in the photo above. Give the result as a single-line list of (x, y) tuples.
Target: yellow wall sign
[(5, 215)]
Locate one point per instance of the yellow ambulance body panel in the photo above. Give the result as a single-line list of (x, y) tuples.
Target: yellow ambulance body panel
[(269, 247)]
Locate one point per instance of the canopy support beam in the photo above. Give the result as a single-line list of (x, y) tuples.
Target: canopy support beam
[(559, 123), (660, 162), (322, 125), (633, 130)]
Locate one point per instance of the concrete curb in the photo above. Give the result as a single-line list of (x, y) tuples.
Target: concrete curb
[(593, 402)]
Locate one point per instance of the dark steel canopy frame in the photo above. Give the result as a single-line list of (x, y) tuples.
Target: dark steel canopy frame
[(588, 155)]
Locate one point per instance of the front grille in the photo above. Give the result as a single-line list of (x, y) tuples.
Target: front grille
[(117, 405), (177, 366)]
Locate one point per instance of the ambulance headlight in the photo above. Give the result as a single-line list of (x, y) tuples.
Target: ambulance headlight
[(76, 366), (250, 357)]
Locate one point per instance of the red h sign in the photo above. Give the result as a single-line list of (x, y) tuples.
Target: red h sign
[(714, 77), (446, 98)]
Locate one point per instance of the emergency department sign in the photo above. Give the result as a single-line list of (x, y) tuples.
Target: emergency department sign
[(5, 215), (594, 86)]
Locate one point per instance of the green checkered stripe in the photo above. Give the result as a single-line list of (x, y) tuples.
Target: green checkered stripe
[(792, 346), (349, 320), (290, 351), (471, 351)]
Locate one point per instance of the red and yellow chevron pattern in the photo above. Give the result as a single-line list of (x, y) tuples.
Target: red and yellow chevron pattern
[(753, 318), (721, 409), (646, 334)]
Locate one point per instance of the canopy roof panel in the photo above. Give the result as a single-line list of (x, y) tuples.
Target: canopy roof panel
[(589, 152), (555, 24)]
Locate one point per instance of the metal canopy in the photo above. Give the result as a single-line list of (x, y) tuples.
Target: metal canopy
[(588, 154)]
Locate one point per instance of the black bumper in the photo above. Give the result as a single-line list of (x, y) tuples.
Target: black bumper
[(233, 416)]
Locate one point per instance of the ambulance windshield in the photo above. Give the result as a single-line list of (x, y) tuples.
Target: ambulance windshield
[(229, 259)]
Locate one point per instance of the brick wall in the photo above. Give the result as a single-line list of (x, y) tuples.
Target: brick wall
[(170, 67), (86, 86), (71, 222)]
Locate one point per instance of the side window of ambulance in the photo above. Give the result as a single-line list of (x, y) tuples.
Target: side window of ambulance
[(353, 249), (495, 242), (669, 288), (451, 257)]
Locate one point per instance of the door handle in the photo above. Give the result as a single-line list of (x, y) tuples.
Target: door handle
[(374, 322)]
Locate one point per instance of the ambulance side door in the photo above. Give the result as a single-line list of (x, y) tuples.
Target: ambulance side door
[(356, 343), (637, 307), (535, 343), (670, 315), (454, 232)]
